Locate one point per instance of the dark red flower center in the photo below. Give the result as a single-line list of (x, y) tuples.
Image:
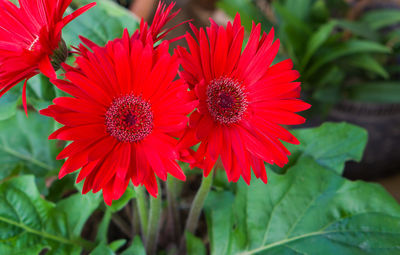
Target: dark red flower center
[(226, 100), (129, 119)]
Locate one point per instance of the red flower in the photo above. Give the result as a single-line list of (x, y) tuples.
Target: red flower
[(29, 36), (122, 118), (243, 100), (153, 33)]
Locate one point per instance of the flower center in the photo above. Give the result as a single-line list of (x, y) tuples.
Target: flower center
[(129, 119), (226, 100)]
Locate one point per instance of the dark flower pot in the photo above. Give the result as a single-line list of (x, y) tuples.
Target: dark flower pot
[(382, 121)]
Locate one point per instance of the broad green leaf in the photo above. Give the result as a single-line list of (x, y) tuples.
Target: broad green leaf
[(218, 211), (330, 145), (375, 92), (194, 245), (106, 21), (77, 217), (136, 248), (29, 223), (345, 49), (8, 106), (378, 19), (368, 63), (24, 146), (310, 210), (124, 200), (317, 40)]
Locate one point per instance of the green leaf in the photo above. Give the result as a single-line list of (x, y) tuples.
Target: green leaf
[(248, 12), (368, 63), (24, 145), (194, 245), (300, 9), (77, 217), (350, 47), (331, 144), (117, 244), (29, 223), (317, 40), (136, 248), (40, 91), (106, 21), (307, 211), (359, 28), (375, 92), (378, 19), (291, 20), (218, 212), (124, 200), (102, 249), (8, 106)]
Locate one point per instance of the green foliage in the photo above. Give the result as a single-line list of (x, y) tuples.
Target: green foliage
[(124, 200), (248, 12), (378, 19), (319, 38), (377, 92), (8, 106), (330, 145), (24, 147), (106, 21), (194, 245), (102, 249), (309, 210), (29, 224), (136, 248)]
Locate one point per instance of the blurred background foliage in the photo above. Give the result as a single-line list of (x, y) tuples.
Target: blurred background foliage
[(343, 51), (348, 54)]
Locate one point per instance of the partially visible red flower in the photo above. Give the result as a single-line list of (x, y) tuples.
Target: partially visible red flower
[(29, 38), (126, 108), (243, 100), (154, 33)]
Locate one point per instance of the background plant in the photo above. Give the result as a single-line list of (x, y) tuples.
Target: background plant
[(307, 207), (339, 58)]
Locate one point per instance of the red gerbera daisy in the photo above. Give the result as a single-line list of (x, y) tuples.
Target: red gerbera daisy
[(243, 100), (29, 38), (125, 110), (161, 18)]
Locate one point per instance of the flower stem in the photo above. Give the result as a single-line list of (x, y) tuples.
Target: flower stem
[(142, 209), (153, 225), (198, 203), (173, 213)]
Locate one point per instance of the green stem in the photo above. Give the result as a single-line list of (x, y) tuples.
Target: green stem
[(198, 203), (153, 227), (173, 214), (142, 208), (104, 224), (135, 219)]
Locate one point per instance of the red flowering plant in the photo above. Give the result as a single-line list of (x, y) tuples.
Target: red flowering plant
[(31, 40), (127, 111)]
